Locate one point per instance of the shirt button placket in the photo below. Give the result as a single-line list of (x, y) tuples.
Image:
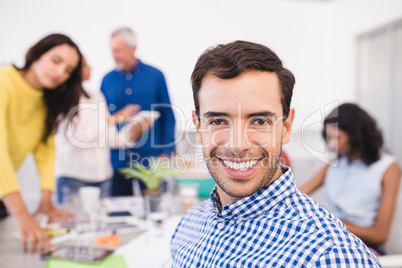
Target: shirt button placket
[(128, 91), (240, 219), (220, 225)]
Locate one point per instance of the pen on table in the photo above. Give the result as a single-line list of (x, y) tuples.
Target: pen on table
[(58, 231)]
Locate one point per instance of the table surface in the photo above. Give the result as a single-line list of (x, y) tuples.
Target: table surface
[(138, 248), (391, 261), (11, 253)]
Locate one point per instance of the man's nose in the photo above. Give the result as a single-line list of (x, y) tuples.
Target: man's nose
[(238, 140)]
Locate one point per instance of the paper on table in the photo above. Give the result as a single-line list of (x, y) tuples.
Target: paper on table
[(110, 262)]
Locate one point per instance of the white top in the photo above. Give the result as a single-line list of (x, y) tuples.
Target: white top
[(352, 191), (83, 146)]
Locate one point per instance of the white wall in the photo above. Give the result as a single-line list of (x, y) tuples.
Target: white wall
[(315, 38)]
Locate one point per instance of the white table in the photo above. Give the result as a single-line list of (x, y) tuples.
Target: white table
[(150, 250), (389, 261)]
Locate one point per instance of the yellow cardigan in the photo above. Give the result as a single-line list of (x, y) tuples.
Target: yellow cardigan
[(22, 124)]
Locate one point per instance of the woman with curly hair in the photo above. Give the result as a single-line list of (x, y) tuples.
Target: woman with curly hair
[(361, 187)]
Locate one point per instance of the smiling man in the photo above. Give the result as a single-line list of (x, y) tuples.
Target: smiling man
[(256, 217)]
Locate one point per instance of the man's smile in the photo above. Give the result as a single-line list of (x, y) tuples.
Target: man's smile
[(238, 164), (242, 169)]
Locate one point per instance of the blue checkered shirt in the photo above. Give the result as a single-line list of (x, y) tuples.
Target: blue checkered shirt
[(277, 226)]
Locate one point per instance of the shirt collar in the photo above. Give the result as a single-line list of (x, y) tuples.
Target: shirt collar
[(261, 201), (134, 70)]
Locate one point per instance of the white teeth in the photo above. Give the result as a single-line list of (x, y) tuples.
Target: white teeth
[(236, 166), (243, 166), (231, 164)]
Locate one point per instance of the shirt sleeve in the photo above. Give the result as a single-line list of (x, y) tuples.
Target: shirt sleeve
[(8, 179), (167, 119), (173, 241), (347, 257), (44, 155)]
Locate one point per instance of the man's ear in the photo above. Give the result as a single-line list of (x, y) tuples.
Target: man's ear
[(197, 125), (287, 126)]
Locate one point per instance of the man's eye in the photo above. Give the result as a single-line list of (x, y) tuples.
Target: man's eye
[(261, 122), (216, 122)]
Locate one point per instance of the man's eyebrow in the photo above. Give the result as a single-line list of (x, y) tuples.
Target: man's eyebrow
[(215, 114), (262, 114)]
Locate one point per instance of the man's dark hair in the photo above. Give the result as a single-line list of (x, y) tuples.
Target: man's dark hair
[(365, 137), (227, 61)]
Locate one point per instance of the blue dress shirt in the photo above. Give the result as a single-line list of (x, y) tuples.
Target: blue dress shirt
[(277, 226), (146, 86)]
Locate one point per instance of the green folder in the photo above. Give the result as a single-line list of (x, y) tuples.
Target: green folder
[(111, 261)]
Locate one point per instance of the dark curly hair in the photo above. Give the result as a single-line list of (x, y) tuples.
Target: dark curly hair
[(364, 136), (60, 100), (227, 61)]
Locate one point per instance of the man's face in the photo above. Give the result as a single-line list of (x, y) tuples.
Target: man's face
[(123, 55), (241, 129)]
